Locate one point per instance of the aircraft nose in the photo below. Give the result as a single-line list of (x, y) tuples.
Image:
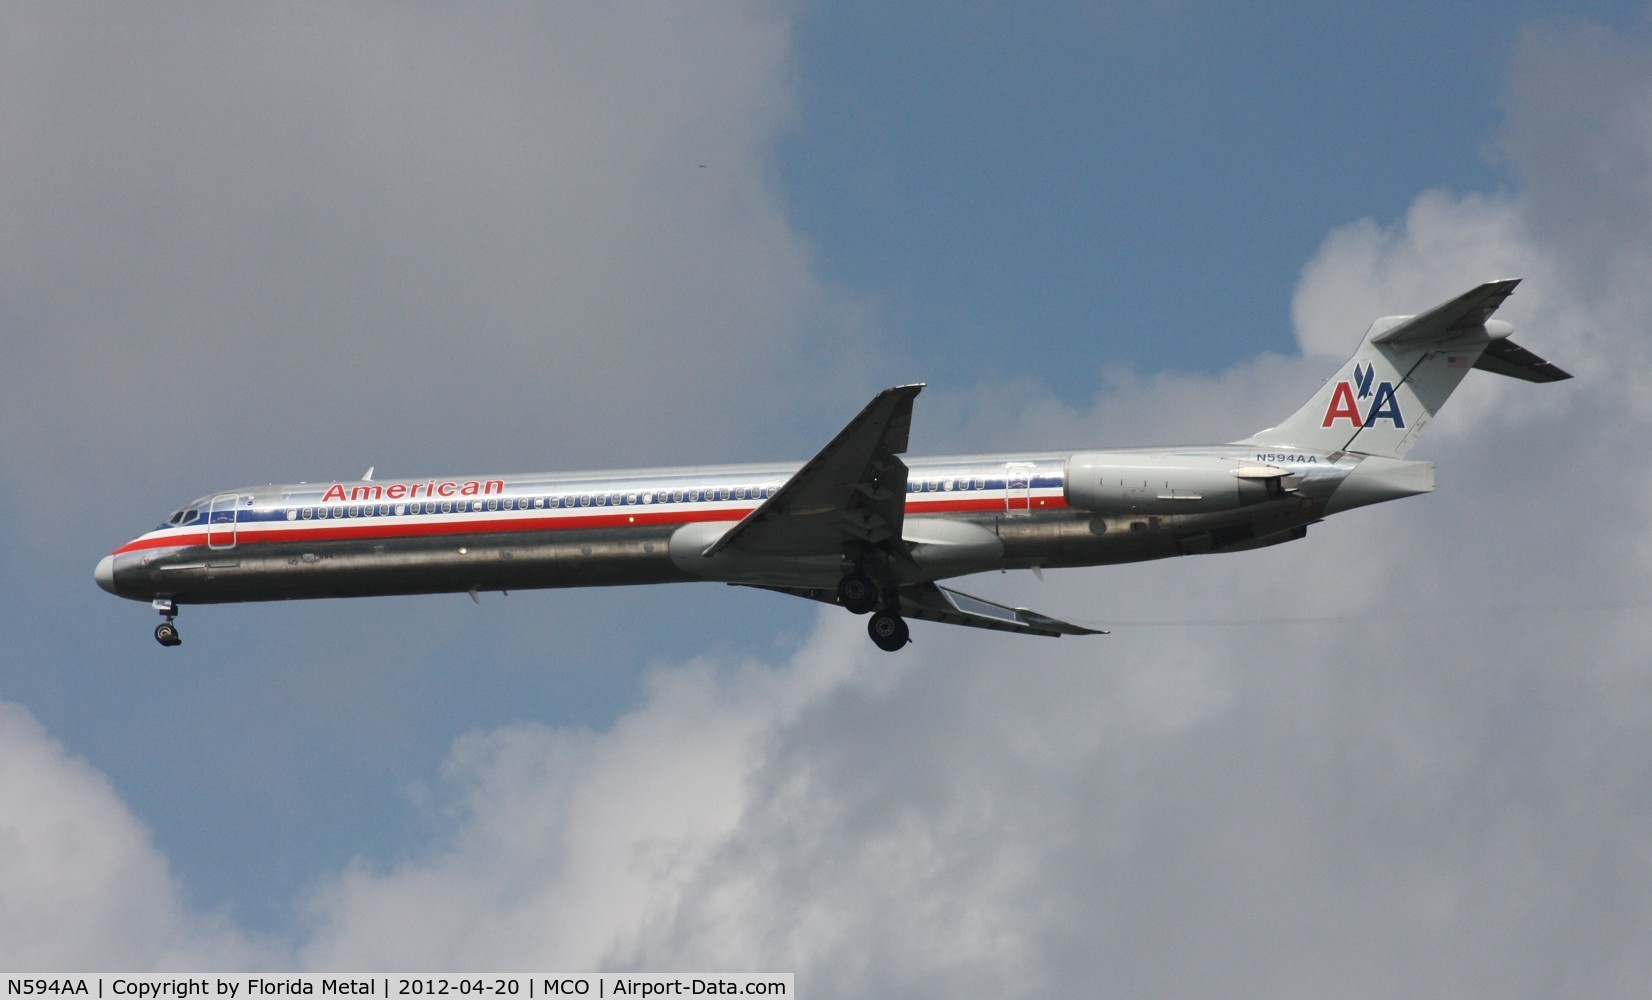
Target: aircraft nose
[(105, 573)]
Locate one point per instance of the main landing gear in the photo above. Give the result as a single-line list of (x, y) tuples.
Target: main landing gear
[(889, 631), (166, 633), (859, 594)]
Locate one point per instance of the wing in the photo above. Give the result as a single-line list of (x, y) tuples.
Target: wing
[(852, 492), (935, 603)]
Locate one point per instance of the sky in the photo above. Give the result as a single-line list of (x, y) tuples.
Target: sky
[(1410, 754)]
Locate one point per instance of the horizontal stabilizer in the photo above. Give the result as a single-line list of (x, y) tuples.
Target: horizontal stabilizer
[(1505, 357), (1468, 311)]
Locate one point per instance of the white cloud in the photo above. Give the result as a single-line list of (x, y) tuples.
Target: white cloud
[(567, 846), (385, 235), (81, 884)]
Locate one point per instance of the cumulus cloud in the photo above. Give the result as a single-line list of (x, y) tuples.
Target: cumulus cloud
[(1441, 791), (82, 885), (365, 230)]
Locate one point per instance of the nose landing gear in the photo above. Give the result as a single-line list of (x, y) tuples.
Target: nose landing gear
[(166, 633)]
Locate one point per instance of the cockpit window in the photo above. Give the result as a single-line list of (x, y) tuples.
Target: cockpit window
[(181, 517)]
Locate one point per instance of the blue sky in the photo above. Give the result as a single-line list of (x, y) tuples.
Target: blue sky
[(248, 247), (1021, 180)]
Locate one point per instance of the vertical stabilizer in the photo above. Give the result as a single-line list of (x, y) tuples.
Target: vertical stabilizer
[(1402, 373)]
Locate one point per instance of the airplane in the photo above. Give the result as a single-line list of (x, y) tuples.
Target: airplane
[(856, 525)]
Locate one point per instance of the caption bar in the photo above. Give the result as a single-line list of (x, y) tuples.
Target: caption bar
[(236, 986)]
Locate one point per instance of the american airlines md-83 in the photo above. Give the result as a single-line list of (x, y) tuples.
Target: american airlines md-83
[(856, 525)]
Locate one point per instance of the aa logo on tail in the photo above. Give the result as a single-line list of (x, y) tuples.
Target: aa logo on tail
[(1379, 402)]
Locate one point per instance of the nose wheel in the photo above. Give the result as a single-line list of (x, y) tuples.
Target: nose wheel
[(166, 633)]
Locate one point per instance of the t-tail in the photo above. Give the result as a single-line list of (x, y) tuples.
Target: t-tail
[(1402, 373)]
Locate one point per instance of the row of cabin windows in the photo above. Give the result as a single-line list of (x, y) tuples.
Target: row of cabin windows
[(573, 500), (589, 500), (944, 485), (533, 503)]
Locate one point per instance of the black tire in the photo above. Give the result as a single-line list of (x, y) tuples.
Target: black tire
[(166, 634), (889, 631), (857, 592)]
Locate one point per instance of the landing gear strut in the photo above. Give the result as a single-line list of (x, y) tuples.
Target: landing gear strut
[(166, 633), (889, 631)]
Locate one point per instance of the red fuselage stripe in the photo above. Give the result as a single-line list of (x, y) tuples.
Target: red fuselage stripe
[(343, 529)]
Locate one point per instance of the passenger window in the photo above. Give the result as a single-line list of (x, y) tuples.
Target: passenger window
[(739, 493), (631, 499), (493, 505), (292, 513)]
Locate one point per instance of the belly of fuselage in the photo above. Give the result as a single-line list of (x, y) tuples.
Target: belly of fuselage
[(429, 565)]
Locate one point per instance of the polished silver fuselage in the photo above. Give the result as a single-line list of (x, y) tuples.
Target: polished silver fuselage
[(963, 515)]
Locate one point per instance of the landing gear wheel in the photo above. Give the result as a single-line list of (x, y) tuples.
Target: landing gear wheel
[(889, 631), (166, 634), (857, 593)]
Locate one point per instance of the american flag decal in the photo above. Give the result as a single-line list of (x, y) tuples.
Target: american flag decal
[(1457, 361)]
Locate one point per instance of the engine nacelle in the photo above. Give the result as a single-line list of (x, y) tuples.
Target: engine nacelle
[(1134, 483)]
